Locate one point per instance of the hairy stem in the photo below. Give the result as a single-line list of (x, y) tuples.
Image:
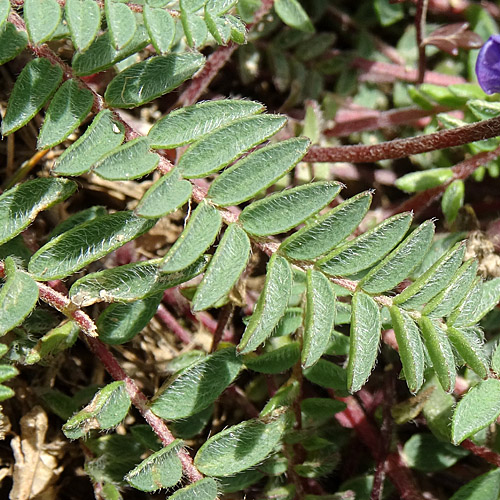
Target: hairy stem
[(420, 19), (401, 148)]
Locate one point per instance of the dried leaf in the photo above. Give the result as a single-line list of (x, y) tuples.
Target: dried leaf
[(451, 37)]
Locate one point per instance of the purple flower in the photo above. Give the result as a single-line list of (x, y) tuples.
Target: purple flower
[(488, 65)]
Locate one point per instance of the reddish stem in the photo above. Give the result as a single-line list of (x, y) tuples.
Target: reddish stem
[(164, 315), (483, 452), (420, 19), (401, 148)]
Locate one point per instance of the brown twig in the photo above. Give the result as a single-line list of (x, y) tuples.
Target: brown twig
[(420, 20)]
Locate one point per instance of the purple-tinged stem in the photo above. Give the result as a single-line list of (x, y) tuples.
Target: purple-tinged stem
[(420, 20), (402, 148), (164, 315)]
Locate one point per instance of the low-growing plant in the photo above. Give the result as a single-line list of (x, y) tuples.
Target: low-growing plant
[(148, 217)]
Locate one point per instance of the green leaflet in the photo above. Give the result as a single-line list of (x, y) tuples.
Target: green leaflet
[(469, 346), (152, 78), (365, 250), (184, 125), (422, 180), (166, 195), (489, 291), (191, 5), (18, 296), (42, 18), (366, 326), (464, 313), (120, 323), (239, 447), (70, 105), (86, 243), (292, 14), (102, 54), (84, 19), (400, 262), (325, 233), (35, 85), (426, 453), (284, 396), (129, 161), (219, 28), (197, 386), (282, 211), (271, 305), (200, 232), (319, 317), (7, 372), (327, 374), (224, 144), (77, 218), (240, 481), (228, 262), (439, 349), (121, 22), (20, 205), (276, 361), (477, 409), (433, 280), (12, 42), (238, 29), (161, 28), (130, 282), (449, 298), (53, 342), (411, 349), (191, 426), (195, 29), (103, 135), (320, 409), (204, 489), (218, 7), (162, 469), (453, 200), (4, 11), (106, 410), (257, 171), (484, 487)]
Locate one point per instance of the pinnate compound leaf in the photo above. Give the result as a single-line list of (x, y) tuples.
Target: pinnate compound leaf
[(449, 298), (185, 125), (129, 161), (484, 487), (84, 19), (68, 108), (106, 410), (162, 469), (228, 262), (121, 22), (320, 236), (477, 409), (282, 211), (86, 243), (102, 54), (292, 14), (104, 134), (440, 352), (271, 305), (223, 145), (130, 282), (200, 232), (204, 489), (20, 205), (42, 18), (469, 346), (4, 11), (166, 195), (366, 328), (197, 386), (276, 361), (437, 277), (152, 78), (411, 349), (12, 42), (35, 85), (120, 323), (319, 317), (240, 447), (161, 28), (363, 251), (257, 171), (18, 296), (400, 262)]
